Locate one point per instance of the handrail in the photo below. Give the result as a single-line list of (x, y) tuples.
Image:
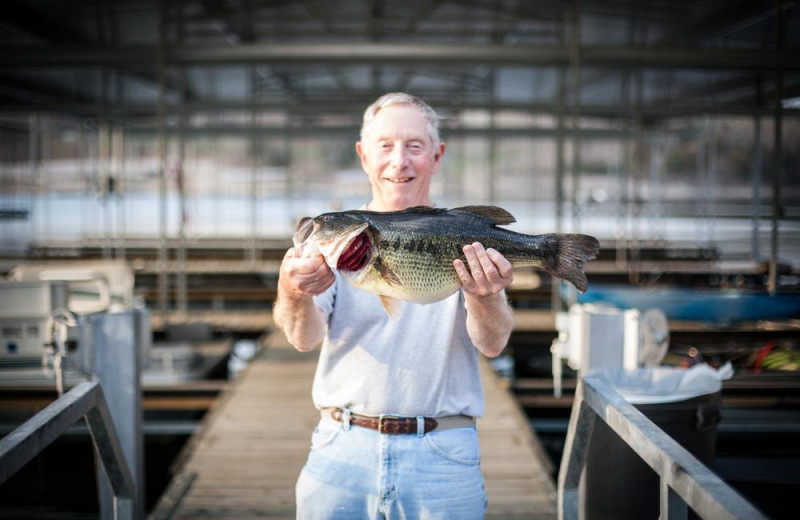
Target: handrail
[(684, 480), (85, 399)]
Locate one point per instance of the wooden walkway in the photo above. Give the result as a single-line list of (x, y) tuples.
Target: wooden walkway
[(245, 460)]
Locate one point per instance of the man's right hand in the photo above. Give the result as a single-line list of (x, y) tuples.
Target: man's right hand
[(304, 276)]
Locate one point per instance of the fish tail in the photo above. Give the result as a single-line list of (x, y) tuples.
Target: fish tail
[(570, 253)]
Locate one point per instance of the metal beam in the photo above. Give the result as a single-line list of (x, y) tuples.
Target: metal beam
[(421, 13), (682, 475), (41, 25), (330, 105), (547, 11), (320, 12), (725, 18), (52, 30), (24, 443), (39, 96), (728, 17), (352, 131), (238, 22), (390, 53)]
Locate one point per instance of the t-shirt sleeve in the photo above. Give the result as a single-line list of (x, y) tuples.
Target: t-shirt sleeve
[(325, 300)]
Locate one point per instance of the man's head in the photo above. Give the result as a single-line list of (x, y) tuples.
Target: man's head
[(401, 98), (400, 151)]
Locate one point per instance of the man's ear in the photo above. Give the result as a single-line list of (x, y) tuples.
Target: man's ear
[(439, 152), (360, 150)]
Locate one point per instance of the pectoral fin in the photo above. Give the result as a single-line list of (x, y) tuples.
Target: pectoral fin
[(392, 306), (387, 273)]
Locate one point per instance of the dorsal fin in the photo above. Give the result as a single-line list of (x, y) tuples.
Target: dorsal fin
[(498, 216), (419, 210), (423, 210)]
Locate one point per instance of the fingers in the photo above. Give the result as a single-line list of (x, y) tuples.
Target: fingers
[(463, 274), (319, 279), (484, 263), (504, 268), (320, 285), (309, 276), (489, 271)]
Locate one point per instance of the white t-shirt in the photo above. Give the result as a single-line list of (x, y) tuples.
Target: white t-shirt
[(422, 364)]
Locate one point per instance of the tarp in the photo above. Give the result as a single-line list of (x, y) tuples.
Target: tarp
[(664, 384)]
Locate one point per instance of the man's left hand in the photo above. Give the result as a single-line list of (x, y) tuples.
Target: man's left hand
[(489, 272)]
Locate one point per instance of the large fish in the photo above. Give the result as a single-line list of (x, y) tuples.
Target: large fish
[(408, 255)]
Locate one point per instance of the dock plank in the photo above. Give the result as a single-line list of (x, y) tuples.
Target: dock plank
[(244, 461)]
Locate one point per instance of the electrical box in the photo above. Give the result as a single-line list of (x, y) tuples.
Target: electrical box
[(26, 310)]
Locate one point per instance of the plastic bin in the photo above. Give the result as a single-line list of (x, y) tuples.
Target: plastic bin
[(686, 404)]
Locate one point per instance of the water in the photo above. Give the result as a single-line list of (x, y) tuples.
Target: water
[(71, 217)]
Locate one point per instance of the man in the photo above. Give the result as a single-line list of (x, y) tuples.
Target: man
[(398, 399)]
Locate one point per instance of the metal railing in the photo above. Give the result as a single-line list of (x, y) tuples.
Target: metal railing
[(684, 480), (87, 400)]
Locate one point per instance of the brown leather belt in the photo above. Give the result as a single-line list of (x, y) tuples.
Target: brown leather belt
[(393, 425)]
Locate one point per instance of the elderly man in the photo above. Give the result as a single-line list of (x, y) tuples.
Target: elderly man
[(398, 399)]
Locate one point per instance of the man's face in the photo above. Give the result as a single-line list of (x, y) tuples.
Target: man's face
[(400, 159)]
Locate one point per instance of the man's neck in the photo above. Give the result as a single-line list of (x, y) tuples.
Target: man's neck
[(374, 206)]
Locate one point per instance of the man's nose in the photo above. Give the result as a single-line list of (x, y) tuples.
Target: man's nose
[(399, 157)]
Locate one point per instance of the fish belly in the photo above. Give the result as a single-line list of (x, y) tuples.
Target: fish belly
[(422, 279)]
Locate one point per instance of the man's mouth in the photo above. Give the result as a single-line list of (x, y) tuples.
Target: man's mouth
[(399, 180)]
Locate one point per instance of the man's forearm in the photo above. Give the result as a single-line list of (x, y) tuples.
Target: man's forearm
[(489, 322), (300, 319)]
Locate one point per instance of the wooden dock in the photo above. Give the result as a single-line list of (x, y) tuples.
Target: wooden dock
[(244, 461)]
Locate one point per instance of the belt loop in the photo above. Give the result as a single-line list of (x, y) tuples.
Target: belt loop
[(420, 426), (346, 419)]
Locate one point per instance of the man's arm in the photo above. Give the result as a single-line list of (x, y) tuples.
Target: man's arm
[(295, 312), (489, 316)]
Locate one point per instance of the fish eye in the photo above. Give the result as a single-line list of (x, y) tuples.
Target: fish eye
[(326, 218)]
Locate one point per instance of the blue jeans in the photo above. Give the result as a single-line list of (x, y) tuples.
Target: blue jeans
[(356, 473)]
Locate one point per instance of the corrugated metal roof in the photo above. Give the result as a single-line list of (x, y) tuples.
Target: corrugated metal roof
[(666, 36)]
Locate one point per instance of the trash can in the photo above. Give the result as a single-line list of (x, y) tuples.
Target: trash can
[(686, 404)]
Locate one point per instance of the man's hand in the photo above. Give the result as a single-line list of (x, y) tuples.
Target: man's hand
[(489, 272), (489, 317), (304, 276), (295, 312)]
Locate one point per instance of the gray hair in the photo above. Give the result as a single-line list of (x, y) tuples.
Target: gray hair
[(401, 98)]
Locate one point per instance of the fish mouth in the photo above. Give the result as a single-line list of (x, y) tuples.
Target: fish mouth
[(349, 248), (304, 247), (304, 230)]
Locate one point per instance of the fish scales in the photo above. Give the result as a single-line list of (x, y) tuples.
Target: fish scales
[(420, 261)]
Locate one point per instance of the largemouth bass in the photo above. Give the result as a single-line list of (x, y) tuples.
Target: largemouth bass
[(408, 255)]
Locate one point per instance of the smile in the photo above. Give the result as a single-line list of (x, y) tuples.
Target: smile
[(400, 180)]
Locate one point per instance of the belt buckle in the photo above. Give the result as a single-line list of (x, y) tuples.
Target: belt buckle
[(381, 422)]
